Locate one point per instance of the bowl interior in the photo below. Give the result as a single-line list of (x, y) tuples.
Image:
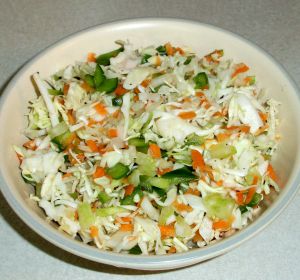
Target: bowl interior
[(201, 38)]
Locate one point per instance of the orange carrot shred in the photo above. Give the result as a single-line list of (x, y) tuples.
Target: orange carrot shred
[(250, 195), (92, 145), (100, 108), (112, 133), (172, 250), (158, 61), (94, 231), (197, 237), (86, 87), (30, 145), (192, 191), (71, 117), (129, 190), (167, 231), (91, 57), (241, 68), (221, 225), (145, 83), (187, 115), (120, 90), (154, 151), (66, 175), (271, 173), (182, 207), (239, 198), (161, 172), (126, 227), (99, 172), (222, 136), (66, 89), (198, 161), (169, 49)]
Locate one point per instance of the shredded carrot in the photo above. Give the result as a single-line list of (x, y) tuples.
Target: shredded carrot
[(192, 191), (76, 216), (158, 61), (126, 227), (120, 90), (182, 207), (239, 198), (172, 250), (167, 231), (242, 128), (99, 172), (248, 80), (136, 98), (92, 145), (161, 172), (218, 114), (154, 151), (263, 116), (126, 219), (261, 130), (219, 183), (91, 57), (241, 68), (145, 83), (94, 231), (250, 194), (180, 50), (66, 175), (169, 49), (187, 99), (66, 89), (30, 145), (80, 157), (271, 173), (116, 114), (112, 133), (136, 90), (20, 157), (221, 225), (222, 136), (197, 237), (129, 190), (255, 180), (198, 161), (100, 108), (86, 87), (71, 117), (187, 115)]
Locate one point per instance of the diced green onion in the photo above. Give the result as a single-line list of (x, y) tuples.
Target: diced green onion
[(201, 80), (99, 76), (145, 58), (104, 59), (118, 171)]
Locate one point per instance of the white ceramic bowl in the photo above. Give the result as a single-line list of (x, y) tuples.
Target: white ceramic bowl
[(142, 32)]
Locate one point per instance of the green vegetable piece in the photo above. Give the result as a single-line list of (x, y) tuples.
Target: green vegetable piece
[(85, 215), (145, 58), (158, 182), (243, 209), (146, 164), (136, 250), (38, 188), (186, 229), (162, 50), (138, 142), (118, 171), (117, 101), (104, 197), (181, 175), (194, 139), (54, 92), (89, 79), (63, 140), (129, 199), (221, 150), (134, 177), (110, 211), (74, 195), (108, 85), (255, 200), (188, 60), (104, 59), (218, 206), (59, 129), (165, 213), (99, 76), (201, 80)]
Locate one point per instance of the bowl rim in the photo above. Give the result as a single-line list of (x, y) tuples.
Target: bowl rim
[(147, 262)]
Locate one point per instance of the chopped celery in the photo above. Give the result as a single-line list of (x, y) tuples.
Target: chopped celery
[(145, 58), (201, 80), (104, 197), (54, 92), (117, 101), (136, 250), (118, 171), (138, 142), (38, 188), (218, 206), (104, 59), (165, 214), (158, 182), (99, 76), (221, 150), (181, 175), (110, 211), (89, 79), (134, 177), (146, 164), (108, 85), (182, 228), (85, 215), (194, 139)]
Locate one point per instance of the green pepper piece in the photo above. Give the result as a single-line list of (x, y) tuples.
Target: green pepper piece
[(54, 92), (138, 142), (118, 171), (74, 195), (194, 139), (145, 58), (136, 250), (181, 175), (188, 60), (255, 200), (117, 101), (85, 215), (243, 209), (108, 85), (99, 76), (159, 182), (104, 59), (201, 80), (221, 150), (162, 50), (63, 140), (104, 197), (129, 199), (89, 79)]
